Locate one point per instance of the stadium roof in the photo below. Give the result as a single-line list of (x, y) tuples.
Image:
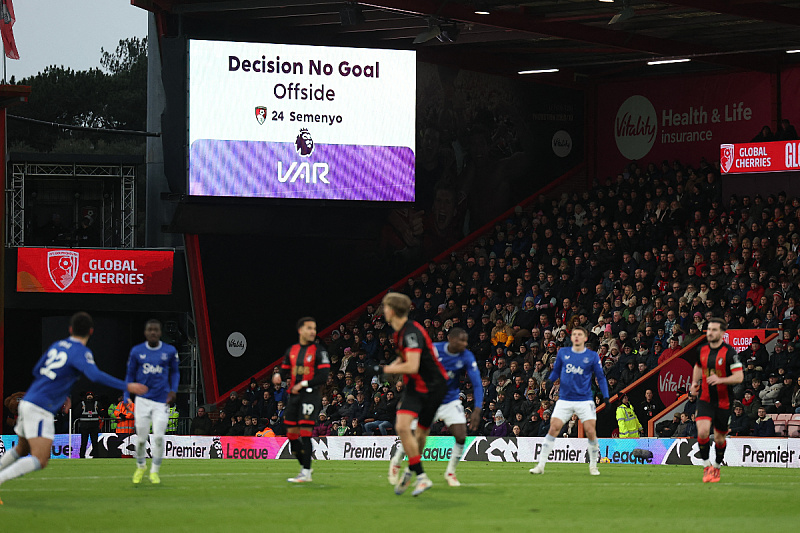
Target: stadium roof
[(572, 35)]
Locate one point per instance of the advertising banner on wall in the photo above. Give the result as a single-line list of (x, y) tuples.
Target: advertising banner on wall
[(94, 271), (778, 156), (684, 118), (763, 452)]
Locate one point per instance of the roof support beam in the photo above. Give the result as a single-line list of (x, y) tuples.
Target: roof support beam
[(515, 20), (757, 11)]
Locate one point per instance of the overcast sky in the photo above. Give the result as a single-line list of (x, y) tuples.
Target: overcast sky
[(70, 32)]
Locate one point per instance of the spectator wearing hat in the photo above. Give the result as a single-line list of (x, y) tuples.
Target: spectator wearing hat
[(757, 352), (764, 426), (751, 404), (499, 427), (770, 393), (779, 358), (783, 403), (544, 426), (627, 421)]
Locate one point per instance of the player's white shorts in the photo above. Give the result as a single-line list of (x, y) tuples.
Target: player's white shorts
[(565, 409), (451, 413), (33, 421), (146, 412)]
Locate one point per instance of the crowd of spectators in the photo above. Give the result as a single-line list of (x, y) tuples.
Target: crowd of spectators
[(642, 261)]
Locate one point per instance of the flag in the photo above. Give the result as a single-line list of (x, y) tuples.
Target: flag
[(6, 25)]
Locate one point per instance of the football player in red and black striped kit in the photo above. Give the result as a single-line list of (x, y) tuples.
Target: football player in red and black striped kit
[(716, 371), (425, 387), (305, 367)]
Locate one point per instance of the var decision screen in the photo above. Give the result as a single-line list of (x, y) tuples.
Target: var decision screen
[(301, 122)]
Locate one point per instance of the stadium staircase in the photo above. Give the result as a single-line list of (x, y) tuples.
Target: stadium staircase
[(574, 180)]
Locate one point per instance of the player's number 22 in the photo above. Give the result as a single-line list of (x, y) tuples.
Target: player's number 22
[(55, 359)]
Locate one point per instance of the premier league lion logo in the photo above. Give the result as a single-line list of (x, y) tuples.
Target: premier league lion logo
[(304, 143)]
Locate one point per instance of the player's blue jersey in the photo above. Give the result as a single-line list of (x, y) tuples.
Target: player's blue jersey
[(58, 370), (454, 364), (155, 367), (575, 371)]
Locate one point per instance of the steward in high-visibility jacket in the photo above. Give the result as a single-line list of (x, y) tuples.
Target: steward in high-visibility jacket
[(172, 424), (627, 420), (124, 415)]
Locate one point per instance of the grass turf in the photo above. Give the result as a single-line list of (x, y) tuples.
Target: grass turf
[(246, 495)]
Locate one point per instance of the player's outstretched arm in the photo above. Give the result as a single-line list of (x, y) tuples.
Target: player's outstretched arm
[(137, 388), (601, 379)]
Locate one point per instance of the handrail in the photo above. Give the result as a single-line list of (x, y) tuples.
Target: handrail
[(397, 285)]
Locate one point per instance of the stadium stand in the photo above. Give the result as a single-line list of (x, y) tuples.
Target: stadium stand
[(648, 255)]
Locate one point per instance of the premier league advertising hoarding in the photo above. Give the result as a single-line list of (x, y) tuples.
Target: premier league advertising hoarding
[(303, 122)]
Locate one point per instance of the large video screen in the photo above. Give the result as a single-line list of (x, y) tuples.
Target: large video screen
[(304, 122)]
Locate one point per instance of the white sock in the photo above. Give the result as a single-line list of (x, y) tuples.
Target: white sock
[(458, 451), (549, 444), (706, 462), (594, 452), (141, 447), (306, 471), (8, 458), (157, 450), (21, 467), (714, 464), (397, 458)]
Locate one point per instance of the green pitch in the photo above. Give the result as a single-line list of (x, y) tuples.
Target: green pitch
[(244, 496)]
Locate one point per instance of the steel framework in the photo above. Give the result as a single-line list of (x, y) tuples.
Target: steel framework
[(126, 174)]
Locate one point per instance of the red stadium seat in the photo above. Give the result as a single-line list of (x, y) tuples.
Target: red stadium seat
[(783, 416), (795, 417), (793, 428), (780, 428)]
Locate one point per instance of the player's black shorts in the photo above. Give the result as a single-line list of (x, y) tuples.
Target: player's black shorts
[(423, 405), (719, 417), (303, 409)]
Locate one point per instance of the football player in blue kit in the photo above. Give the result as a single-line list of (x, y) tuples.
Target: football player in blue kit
[(456, 359), (53, 377), (154, 363), (575, 367)]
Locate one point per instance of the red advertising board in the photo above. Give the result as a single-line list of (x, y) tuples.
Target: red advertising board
[(778, 156), (93, 271), (684, 118), (741, 339)]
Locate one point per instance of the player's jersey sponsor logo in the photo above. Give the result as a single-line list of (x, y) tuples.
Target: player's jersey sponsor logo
[(573, 369), (62, 266), (147, 368)]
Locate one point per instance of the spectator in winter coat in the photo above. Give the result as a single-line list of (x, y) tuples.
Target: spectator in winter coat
[(764, 426), (323, 426), (740, 424)]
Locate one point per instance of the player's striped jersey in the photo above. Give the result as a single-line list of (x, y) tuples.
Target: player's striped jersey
[(431, 374), (575, 369), (304, 362), (723, 362), (454, 365), (156, 367), (58, 370)]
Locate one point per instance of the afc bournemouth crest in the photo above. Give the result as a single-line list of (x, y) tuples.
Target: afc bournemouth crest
[(63, 267), (726, 161), (261, 114)]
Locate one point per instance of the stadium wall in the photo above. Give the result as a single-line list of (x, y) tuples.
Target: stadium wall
[(761, 452)]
